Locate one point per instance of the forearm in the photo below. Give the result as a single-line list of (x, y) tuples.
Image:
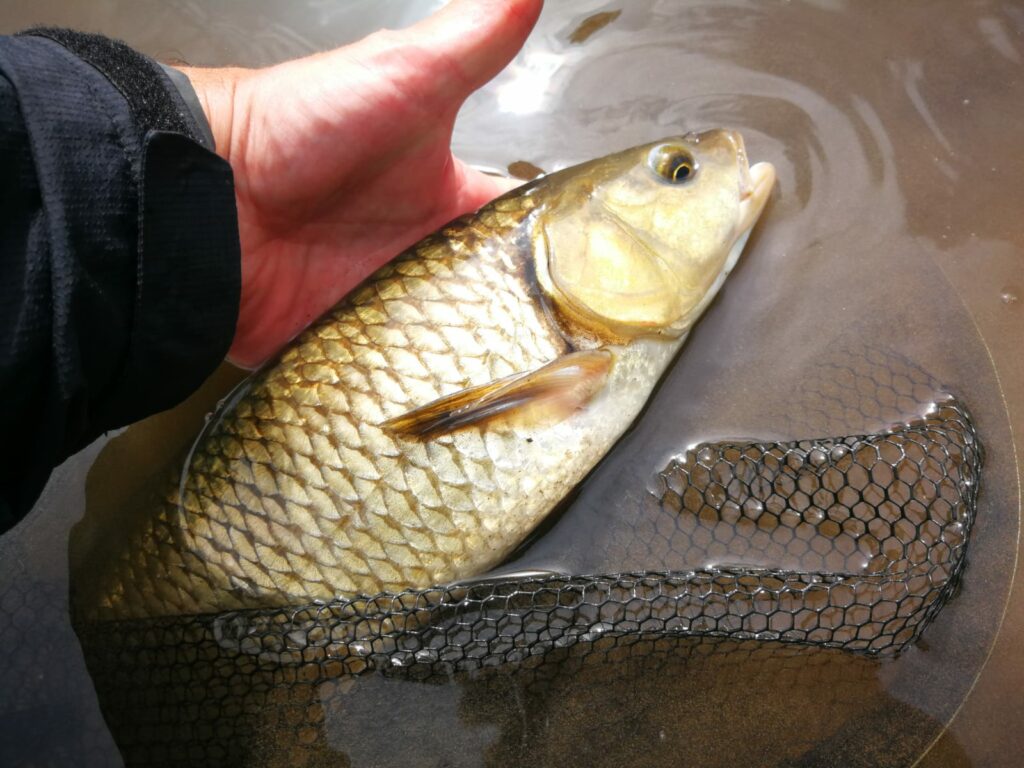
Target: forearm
[(119, 259)]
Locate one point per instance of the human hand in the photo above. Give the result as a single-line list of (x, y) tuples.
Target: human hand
[(343, 159)]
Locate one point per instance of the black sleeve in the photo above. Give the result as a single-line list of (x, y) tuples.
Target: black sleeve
[(119, 255)]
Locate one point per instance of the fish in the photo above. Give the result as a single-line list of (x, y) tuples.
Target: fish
[(423, 427)]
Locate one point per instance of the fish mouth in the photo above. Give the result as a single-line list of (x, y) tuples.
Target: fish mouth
[(756, 183), (746, 184)]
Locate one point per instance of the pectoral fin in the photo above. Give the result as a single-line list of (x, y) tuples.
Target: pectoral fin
[(550, 393)]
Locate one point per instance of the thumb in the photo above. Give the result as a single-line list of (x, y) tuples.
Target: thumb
[(467, 42)]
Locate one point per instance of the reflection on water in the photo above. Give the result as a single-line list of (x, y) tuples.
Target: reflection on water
[(892, 127)]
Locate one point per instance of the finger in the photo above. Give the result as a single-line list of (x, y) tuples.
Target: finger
[(505, 183), (468, 42), (475, 188)]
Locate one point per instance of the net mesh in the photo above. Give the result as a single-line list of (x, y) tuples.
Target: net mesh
[(775, 561), (868, 534), (879, 523)]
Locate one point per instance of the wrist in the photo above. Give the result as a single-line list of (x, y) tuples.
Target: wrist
[(217, 91)]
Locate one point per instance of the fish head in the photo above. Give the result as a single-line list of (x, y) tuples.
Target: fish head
[(639, 242)]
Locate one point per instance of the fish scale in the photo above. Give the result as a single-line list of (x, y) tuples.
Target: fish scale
[(312, 481), (258, 511)]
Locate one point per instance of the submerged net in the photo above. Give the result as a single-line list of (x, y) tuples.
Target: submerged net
[(879, 523), (852, 543), (770, 567)]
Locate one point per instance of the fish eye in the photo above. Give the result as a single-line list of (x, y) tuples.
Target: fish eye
[(673, 163)]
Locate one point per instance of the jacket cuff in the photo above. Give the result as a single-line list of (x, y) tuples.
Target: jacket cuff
[(188, 95), (157, 99), (173, 207)]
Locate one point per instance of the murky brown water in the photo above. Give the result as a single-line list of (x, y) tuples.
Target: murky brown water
[(895, 225)]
